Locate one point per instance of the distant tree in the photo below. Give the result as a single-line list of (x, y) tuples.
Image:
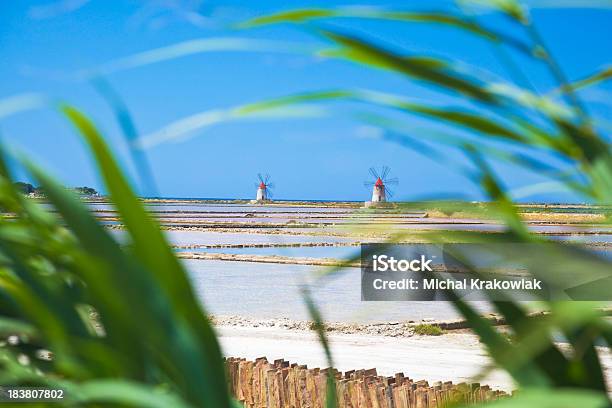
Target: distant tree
[(88, 191), (25, 188)]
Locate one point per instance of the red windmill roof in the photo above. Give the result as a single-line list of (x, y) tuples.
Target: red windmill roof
[(262, 185), (379, 183)]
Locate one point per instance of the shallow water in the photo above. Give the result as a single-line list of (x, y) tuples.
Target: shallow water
[(587, 238), (266, 290), (209, 238), (186, 238), (488, 227), (273, 291), (164, 219), (336, 252), (245, 208)]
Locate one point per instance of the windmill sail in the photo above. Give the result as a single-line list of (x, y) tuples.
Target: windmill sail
[(379, 184)]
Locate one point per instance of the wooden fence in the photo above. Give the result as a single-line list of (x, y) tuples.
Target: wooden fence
[(261, 384)]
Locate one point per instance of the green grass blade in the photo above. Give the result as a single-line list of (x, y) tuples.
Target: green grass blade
[(361, 51), (196, 350), (123, 393), (559, 398), (437, 18), (130, 134), (319, 327)]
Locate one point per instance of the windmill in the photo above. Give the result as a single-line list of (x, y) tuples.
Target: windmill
[(264, 188), (380, 185)]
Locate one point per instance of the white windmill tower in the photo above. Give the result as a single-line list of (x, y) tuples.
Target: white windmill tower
[(380, 186), (264, 188)]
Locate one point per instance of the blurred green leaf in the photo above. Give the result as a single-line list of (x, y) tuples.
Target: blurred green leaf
[(130, 134), (21, 103), (122, 393), (190, 47), (358, 50), (10, 326), (560, 398), (319, 327), (592, 79), (512, 8), (193, 348), (444, 18)]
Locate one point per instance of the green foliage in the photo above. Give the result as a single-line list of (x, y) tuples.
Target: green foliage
[(24, 188), (557, 399), (522, 122), (124, 325), (86, 191), (27, 188), (424, 329)]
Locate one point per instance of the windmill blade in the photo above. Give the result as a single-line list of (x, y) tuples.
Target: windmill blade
[(393, 180), (269, 193), (267, 179), (385, 172), (256, 185), (373, 172), (368, 183), (260, 178), (388, 191), (270, 185)]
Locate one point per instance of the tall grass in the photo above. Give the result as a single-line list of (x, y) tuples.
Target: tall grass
[(506, 120), (122, 321)]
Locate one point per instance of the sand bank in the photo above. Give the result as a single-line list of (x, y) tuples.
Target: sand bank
[(387, 329), (456, 357)]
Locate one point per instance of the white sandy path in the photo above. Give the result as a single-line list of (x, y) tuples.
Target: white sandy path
[(456, 357)]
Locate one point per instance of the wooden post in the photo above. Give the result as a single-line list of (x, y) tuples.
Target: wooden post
[(260, 384)]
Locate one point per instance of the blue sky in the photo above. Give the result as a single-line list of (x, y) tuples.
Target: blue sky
[(45, 44)]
